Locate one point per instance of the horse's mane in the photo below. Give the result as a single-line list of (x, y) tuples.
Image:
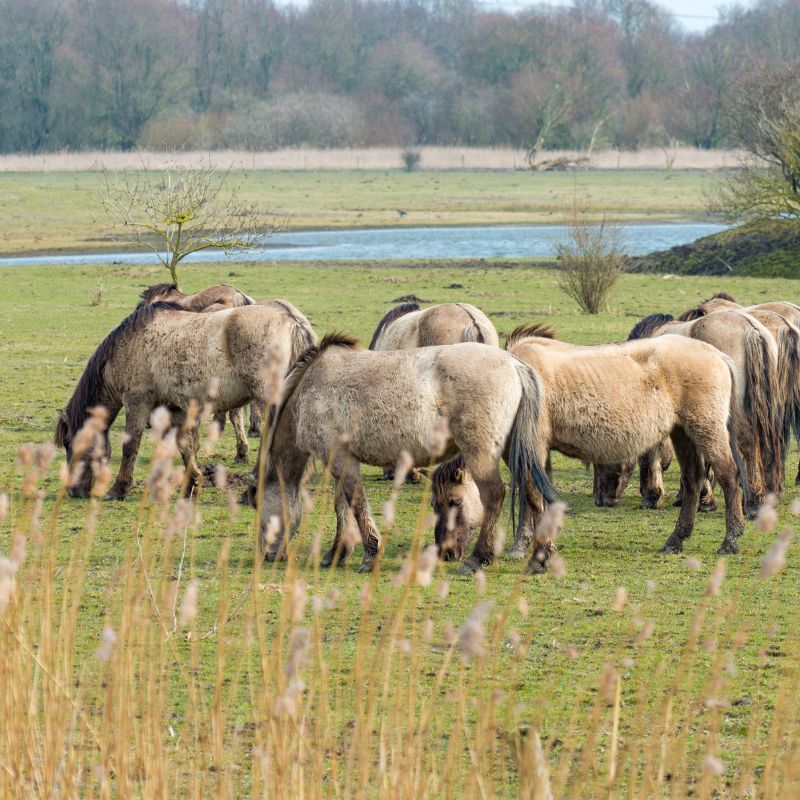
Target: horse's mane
[(90, 383), (152, 293), (390, 316), (445, 475), (701, 311), (694, 313), (537, 330), (645, 327)]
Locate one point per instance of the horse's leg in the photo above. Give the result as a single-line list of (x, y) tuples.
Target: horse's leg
[(747, 443), (707, 500), (548, 466), (351, 506), (797, 479), (534, 506), (491, 490), (242, 445), (187, 446), (691, 480), (727, 474), (256, 418), (651, 478), (137, 411)]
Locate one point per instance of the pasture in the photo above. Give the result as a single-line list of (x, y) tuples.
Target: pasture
[(59, 211), (679, 686)]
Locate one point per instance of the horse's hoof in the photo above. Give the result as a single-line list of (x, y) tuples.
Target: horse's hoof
[(728, 547), (366, 566), (677, 503), (254, 432), (671, 548), (115, 494), (469, 567), (651, 502), (516, 554), (535, 567), (705, 508), (241, 459)]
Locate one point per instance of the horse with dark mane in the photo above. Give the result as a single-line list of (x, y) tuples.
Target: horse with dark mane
[(609, 403), (162, 355), (755, 354), (347, 406), (214, 298), (782, 320)]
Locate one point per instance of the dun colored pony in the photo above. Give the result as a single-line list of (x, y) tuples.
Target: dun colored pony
[(162, 355), (609, 403), (347, 406), (782, 320), (407, 325), (214, 298), (755, 354)]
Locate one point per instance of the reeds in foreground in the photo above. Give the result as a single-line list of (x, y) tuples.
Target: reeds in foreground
[(285, 682)]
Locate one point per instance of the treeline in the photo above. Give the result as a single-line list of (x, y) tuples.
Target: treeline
[(249, 74)]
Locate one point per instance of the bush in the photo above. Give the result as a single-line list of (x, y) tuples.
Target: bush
[(411, 159), (590, 261)]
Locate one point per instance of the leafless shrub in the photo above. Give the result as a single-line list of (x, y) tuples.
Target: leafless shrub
[(590, 261), (411, 159)]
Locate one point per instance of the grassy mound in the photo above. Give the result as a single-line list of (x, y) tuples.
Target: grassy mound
[(765, 249)]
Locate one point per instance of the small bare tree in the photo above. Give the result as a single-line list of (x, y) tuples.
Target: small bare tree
[(590, 260), (179, 210)]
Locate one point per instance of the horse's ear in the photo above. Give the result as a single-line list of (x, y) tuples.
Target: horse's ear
[(460, 475), (60, 436)]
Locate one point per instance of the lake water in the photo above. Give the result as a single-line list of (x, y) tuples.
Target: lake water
[(517, 241)]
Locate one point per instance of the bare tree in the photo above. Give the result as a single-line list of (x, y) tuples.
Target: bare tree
[(765, 119), (178, 211)]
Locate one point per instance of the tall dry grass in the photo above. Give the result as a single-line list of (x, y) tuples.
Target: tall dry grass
[(432, 158), (346, 691)]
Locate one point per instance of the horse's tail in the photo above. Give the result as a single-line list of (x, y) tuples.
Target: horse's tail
[(761, 391), (302, 335), (525, 446), (735, 426), (473, 330), (789, 371)]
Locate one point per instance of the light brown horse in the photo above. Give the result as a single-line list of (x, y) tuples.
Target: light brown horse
[(214, 298), (162, 355), (782, 320), (608, 403), (755, 354), (407, 325), (347, 406)]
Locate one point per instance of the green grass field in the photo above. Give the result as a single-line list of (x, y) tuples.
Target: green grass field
[(59, 211), (714, 678)]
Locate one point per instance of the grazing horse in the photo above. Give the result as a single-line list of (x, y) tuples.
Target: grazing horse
[(782, 320), (347, 406), (607, 403), (407, 325), (214, 298), (163, 355), (755, 354)]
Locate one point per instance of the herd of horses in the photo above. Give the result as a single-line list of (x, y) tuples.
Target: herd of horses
[(718, 389)]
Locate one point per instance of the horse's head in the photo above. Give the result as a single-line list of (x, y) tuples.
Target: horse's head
[(83, 447), (281, 507), (458, 508), (610, 481)]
